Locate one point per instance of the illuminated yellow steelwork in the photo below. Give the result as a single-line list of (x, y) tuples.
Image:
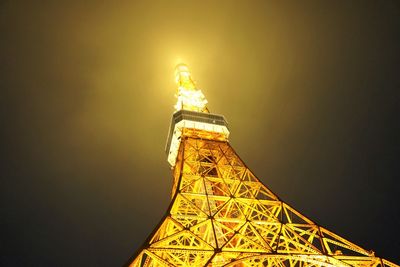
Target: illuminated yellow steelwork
[(222, 215)]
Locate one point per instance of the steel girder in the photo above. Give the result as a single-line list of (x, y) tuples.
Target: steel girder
[(222, 215)]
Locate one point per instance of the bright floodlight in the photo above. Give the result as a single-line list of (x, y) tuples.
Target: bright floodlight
[(189, 97)]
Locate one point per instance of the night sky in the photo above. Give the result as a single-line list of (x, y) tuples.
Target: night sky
[(311, 92)]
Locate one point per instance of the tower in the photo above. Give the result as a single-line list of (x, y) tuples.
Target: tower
[(221, 214)]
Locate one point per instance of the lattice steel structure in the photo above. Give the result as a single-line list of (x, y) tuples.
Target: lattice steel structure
[(222, 215)]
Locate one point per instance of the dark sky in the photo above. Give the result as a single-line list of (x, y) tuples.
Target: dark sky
[(311, 91)]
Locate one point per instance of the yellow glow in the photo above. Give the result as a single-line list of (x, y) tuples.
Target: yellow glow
[(189, 97)]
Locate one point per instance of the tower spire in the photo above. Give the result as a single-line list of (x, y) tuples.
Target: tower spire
[(189, 96)]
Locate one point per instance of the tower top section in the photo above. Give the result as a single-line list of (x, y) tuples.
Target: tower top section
[(191, 117), (189, 96)]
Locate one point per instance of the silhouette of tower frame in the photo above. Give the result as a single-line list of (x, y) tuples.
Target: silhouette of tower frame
[(221, 214)]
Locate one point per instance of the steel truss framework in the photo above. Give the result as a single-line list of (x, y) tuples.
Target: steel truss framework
[(222, 215)]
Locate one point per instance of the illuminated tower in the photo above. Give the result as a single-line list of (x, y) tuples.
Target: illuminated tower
[(220, 213)]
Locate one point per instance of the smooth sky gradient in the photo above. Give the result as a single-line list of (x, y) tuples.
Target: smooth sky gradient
[(311, 92)]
